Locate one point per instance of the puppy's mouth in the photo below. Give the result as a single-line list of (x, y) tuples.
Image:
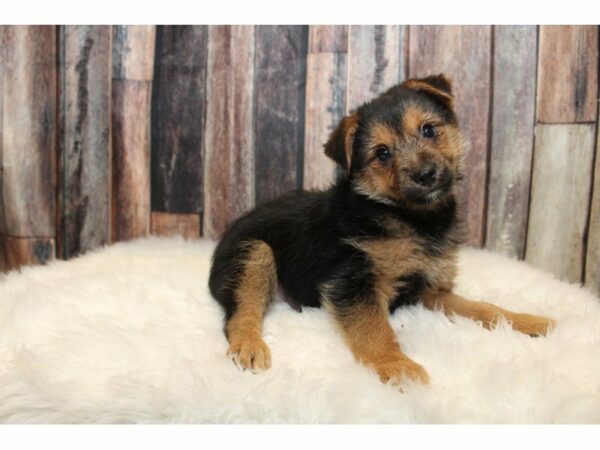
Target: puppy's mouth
[(422, 195)]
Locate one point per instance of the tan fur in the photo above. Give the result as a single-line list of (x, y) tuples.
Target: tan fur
[(255, 291), (419, 85), (486, 313)]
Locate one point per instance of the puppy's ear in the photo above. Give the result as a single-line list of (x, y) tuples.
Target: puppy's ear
[(438, 86), (339, 144)]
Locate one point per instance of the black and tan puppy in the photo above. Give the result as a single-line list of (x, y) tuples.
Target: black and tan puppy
[(386, 234)]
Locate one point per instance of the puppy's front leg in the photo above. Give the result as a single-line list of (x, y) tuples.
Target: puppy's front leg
[(487, 313)]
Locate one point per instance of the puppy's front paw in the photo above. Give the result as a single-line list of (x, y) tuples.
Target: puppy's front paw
[(397, 371), (251, 354), (532, 325)]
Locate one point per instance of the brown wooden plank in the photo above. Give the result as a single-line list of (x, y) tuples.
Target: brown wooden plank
[(568, 74), (27, 251), (560, 191), (84, 161), (463, 53), (2, 218), (229, 153), (29, 131), (170, 224), (178, 98), (592, 266), (328, 39), (513, 118), (326, 77), (133, 52), (280, 81), (376, 58)]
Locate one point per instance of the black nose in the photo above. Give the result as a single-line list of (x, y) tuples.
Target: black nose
[(425, 175)]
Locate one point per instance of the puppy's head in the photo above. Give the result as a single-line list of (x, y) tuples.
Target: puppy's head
[(403, 148)]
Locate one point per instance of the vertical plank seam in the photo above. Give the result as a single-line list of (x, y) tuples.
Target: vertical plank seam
[(254, 109), (406, 51), (302, 119), (488, 157), (61, 159)]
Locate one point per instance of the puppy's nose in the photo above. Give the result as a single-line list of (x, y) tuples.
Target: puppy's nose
[(425, 175)]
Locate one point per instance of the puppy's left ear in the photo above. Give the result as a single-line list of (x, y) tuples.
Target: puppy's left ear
[(438, 86), (339, 144)]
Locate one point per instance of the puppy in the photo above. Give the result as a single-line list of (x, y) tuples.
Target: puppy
[(385, 235)]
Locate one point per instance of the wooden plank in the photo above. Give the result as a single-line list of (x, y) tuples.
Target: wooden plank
[(178, 98), (280, 81), (133, 54), (376, 61), (29, 131), (560, 194), (170, 224), (568, 74), (84, 162), (229, 153), (27, 251), (463, 53), (2, 217), (592, 267), (326, 78), (513, 118)]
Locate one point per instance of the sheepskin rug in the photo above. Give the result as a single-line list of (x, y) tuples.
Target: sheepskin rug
[(130, 333)]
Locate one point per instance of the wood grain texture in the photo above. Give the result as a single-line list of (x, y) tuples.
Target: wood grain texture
[(130, 216), (170, 224), (178, 106), (560, 192), (21, 252), (376, 60), (84, 161), (326, 78), (133, 52), (280, 92), (229, 152), (463, 53), (568, 74), (2, 217), (592, 266), (29, 131), (513, 117)]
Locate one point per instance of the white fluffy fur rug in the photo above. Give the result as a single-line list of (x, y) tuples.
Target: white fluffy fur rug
[(131, 334)]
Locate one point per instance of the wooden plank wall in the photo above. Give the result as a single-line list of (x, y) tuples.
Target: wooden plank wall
[(111, 133)]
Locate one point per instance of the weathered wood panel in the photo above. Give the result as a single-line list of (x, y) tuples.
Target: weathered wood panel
[(560, 191), (84, 161), (27, 251), (568, 74), (2, 219), (170, 224), (512, 123), (178, 99), (376, 60), (229, 153), (463, 53), (29, 131), (280, 82), (133, 53), (325, 100), (592, 266)]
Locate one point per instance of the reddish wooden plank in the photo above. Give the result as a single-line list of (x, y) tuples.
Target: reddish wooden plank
[(84, 162), (133, 52), (130, 159), (463, 53), (328, 39), (229, 154), (376, 60), (592, 266), (27, 251), (513, 117), (560, 194), (178, 99), (29, 131), (280, 80), (568, 74), (170, 224)]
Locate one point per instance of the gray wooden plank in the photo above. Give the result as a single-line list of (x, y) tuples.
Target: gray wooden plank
[(592, 266), (513, 118), (560, 191)]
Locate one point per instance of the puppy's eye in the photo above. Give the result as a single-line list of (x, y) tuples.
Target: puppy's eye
[(383, 154), (428, 130)]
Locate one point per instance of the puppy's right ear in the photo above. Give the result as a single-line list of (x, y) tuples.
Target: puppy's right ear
[(339, 144)]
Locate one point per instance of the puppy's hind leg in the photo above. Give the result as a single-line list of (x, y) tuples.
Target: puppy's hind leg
[(253, 290)]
